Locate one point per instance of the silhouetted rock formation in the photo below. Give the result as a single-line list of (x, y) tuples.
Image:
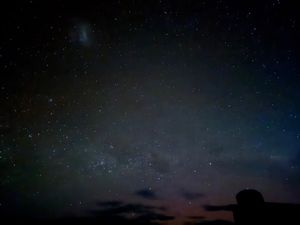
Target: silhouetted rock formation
[(252, 209)]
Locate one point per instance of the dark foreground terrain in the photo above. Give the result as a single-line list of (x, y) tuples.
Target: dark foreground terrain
[(250, 209)]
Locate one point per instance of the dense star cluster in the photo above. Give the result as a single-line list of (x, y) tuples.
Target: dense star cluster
[(173, 104)]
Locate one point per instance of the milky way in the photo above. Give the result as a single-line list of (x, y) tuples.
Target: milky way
[(174, 105)]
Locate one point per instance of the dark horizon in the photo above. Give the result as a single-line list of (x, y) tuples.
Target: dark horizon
[(166, 106), (251, 208)]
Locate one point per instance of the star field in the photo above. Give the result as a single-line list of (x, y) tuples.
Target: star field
[(172, 104)]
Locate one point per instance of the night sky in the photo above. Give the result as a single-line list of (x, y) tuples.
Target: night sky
[(173, 104)]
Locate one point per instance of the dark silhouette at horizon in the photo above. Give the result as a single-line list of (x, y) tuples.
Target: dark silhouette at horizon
[(251, 208)]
